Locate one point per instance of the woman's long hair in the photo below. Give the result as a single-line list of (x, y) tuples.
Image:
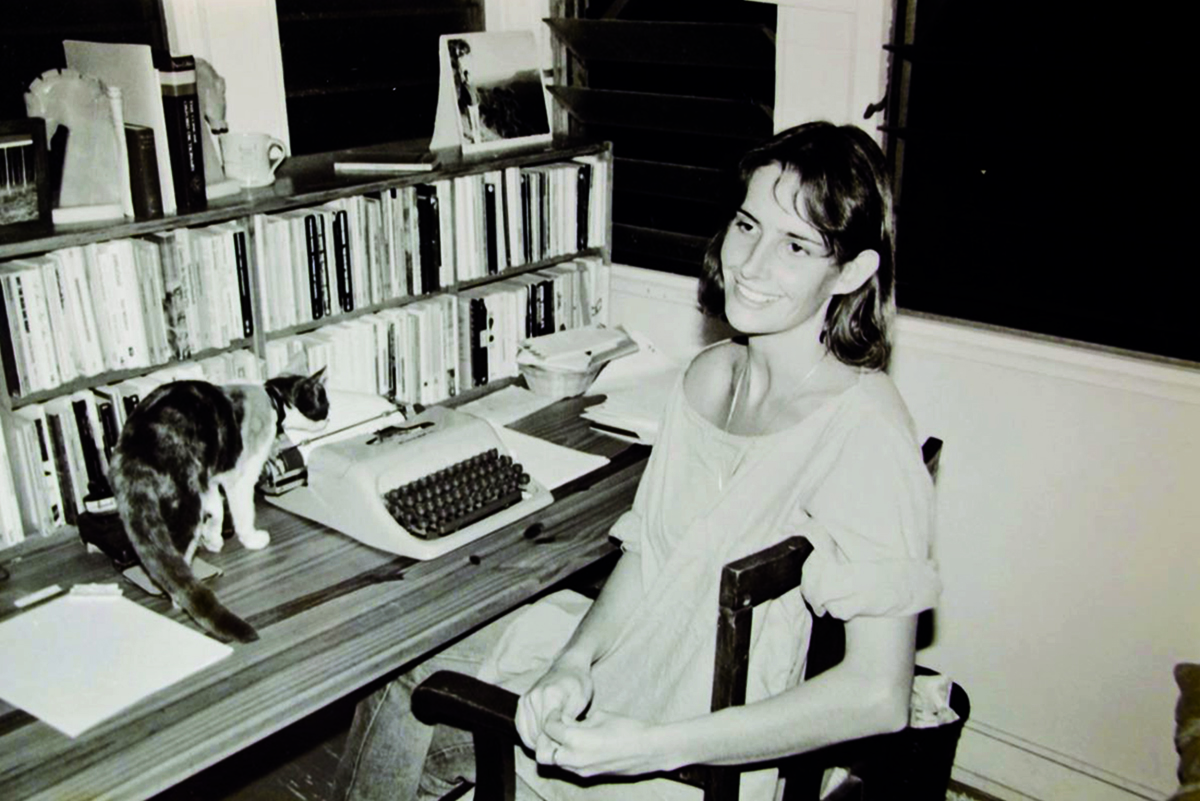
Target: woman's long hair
[(845, 194)]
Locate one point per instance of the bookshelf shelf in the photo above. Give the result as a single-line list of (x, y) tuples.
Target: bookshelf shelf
[(301, 182), (383, 280)]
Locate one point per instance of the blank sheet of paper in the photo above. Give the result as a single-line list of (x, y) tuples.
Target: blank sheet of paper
[(74, 662), (550, 465)]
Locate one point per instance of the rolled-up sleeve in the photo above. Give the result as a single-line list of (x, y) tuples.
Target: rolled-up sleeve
[(870, 524)]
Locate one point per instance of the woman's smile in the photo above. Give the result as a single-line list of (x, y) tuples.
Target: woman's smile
[(755, 297)]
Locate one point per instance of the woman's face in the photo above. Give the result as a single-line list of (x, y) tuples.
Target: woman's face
[(777, 270)]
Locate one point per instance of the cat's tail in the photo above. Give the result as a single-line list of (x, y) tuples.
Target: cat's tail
[(141, 506)]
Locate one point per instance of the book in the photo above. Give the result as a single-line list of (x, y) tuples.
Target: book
[(144, 186), (68, 456), (181, 110), (242, 264), (82, 331), (150, 289), (343, 260), (131, 67), (383, 163), (9, 341), (37, 477), (12, 524), (493, 227), (176, 293), (429, 224)]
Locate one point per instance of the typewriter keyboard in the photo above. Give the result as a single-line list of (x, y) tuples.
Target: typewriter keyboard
[(456, 496)]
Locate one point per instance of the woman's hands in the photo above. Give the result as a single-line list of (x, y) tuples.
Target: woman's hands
[(548, 720), (562, 694), (608, 744)]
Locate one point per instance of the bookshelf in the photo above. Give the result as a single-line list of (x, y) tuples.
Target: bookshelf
[(530, 227)]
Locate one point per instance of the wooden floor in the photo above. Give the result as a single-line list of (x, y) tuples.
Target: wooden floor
[(296, 764)]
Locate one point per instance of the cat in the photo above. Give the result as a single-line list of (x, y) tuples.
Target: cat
[(183, 444)]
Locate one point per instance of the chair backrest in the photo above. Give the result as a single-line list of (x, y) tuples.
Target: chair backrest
[(745, 584)]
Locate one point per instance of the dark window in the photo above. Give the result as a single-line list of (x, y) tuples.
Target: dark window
[(1041, 180), (681, 89), (361, 72), (32, 33)]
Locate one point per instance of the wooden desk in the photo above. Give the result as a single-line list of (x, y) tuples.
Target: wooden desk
[(333, 615)]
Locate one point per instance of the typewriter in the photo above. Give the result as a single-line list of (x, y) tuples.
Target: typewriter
[(418, 487)]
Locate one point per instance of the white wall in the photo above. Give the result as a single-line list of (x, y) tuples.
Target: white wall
[(240, 38), (1068, 518)]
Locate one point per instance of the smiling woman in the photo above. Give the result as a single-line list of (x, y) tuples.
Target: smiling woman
[(790, 429)]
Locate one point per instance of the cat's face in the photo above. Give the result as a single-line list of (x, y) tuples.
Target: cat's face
[(309, 396)]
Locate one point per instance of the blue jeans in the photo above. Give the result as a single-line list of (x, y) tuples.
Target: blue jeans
[(392, 756)]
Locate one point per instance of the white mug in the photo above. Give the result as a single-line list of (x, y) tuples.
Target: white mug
[(252, 158)]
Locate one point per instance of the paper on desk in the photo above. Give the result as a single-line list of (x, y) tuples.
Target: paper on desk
[(636, 389), (550, 465), (74, 662), (350, 414), (506, 405)]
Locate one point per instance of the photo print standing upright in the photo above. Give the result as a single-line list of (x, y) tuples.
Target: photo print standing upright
[(491, 95)]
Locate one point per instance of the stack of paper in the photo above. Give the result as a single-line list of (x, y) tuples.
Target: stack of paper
[(576, 349), (636, 390)]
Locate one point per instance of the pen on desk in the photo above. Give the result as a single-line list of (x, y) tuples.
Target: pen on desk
[(622, 432)]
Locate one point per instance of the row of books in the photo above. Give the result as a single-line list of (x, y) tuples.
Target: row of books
[(432, 349), (59, 450), (426, 351), (123, 304), (414, 240)]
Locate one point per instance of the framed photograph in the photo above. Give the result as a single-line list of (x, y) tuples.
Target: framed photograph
[(24, 180), (491, 92)]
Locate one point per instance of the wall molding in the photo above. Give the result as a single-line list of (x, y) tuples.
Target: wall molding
[(1014, 769)]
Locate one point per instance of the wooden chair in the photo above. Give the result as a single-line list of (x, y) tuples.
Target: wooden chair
[(897, 765)]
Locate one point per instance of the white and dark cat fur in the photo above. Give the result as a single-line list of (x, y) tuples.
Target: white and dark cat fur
[(185, 443)]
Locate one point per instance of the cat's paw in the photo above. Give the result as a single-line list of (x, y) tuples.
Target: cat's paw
[(255, 539), (211, 539)]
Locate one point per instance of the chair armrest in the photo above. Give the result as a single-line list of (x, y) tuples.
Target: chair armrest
[(466, 703)]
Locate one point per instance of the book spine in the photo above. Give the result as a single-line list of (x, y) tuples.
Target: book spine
[(8, 349), (527, 217), (143, 172), (48, 476), (314, 267), (430, 237), (181, 106), (62, 468), (323, 266), (583, 211), (175, 297), (243, 276), (491, 232), (342, 260), (479, 335), (88, 444)]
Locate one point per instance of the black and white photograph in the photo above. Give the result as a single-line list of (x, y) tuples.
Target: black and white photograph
[(598, 400), (497, 89)]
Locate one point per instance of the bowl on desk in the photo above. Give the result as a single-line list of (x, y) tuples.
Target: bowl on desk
[(558, 383)]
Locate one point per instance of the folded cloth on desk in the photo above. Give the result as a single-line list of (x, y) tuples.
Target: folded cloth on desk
[(636, 390)]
